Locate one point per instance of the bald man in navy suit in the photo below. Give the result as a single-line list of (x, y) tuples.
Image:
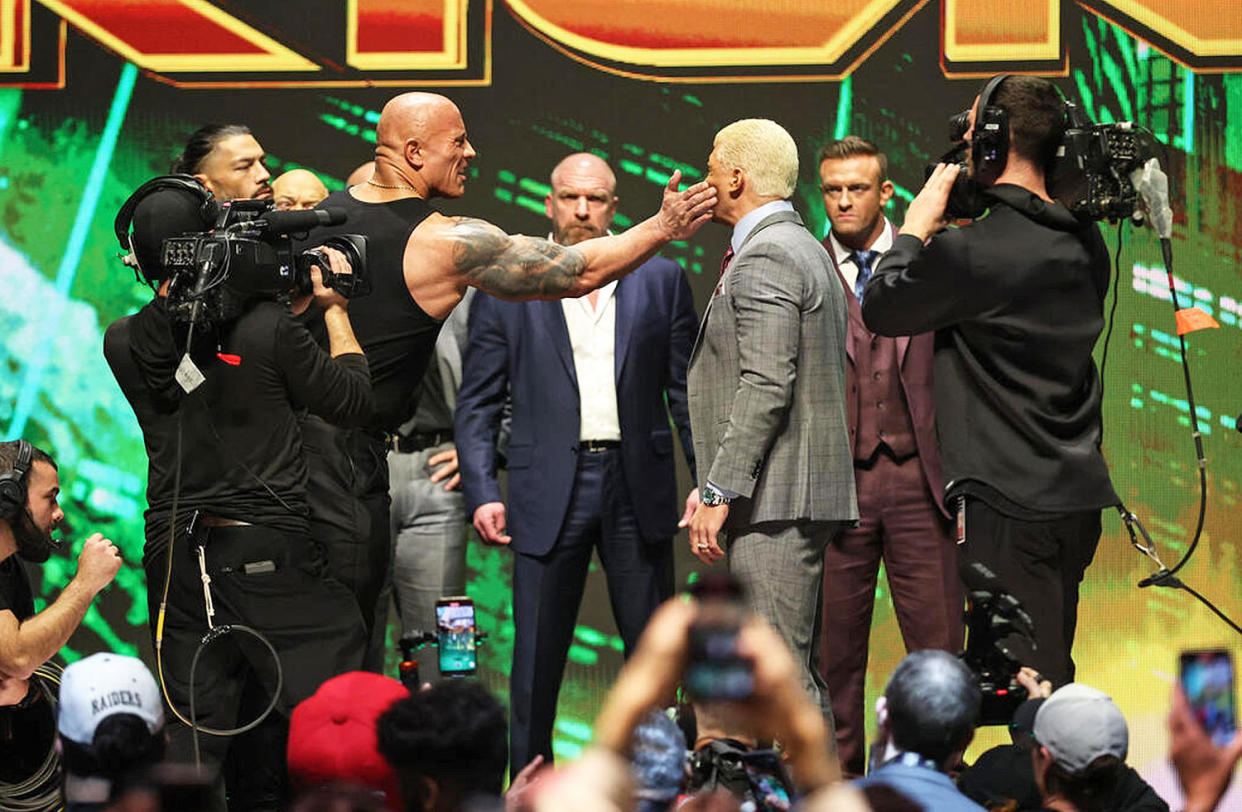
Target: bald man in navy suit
[(590, 454)]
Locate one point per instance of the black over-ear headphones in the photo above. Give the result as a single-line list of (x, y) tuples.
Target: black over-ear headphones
[(989, 140), (208, 208), (13, 482)]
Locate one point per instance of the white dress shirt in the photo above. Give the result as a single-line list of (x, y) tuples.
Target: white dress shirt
[(593, 338), (845, 256)]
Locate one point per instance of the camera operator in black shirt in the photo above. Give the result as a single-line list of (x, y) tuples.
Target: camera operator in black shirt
[(218, 403), (1016, 300)]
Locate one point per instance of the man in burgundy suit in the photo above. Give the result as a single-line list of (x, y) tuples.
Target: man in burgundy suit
[(903, 520)]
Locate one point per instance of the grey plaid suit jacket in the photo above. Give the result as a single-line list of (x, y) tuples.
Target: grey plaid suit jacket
[(767, 382)]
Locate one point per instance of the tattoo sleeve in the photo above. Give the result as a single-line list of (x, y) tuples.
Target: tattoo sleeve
[(511, 266)]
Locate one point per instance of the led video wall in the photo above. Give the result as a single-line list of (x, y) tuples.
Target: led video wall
[(97, 97)]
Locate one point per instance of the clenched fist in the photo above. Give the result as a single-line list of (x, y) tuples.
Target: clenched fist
[(98, 563)]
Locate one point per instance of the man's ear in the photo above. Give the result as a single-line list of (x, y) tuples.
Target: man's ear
[(413, 153), (428, 793), (886, 193), (203, 179)]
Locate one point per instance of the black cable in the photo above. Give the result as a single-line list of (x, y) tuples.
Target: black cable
[(1166, 247), (1168, 577)]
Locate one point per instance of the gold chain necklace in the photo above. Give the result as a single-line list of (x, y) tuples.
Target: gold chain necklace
[(399, 186)]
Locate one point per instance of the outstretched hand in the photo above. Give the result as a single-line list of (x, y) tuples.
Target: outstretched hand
[(684, 212)]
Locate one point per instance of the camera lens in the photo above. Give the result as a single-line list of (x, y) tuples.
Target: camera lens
[(958, 125)]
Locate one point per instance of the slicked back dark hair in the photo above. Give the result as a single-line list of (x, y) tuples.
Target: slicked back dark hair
[(933, 704), (853, 146), (200, 145), (1036, 116)]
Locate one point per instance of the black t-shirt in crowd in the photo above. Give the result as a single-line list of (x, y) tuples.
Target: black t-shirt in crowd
[(240, 441), (15, 593)]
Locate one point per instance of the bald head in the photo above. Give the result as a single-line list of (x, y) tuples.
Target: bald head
[(362, 174), (583, 199), (298, 189), (421, 145)]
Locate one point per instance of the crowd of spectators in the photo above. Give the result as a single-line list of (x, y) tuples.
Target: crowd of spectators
[(365, 742)]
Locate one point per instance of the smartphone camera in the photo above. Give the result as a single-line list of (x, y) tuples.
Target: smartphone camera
[(1207, 680), (456, 636), (716, 671)]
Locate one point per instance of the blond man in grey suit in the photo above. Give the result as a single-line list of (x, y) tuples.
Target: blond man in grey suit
[(767, 394)]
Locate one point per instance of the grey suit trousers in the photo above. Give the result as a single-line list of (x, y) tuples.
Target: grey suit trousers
[(781, 565)]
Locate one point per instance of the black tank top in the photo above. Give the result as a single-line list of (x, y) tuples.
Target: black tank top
[(397, 336)]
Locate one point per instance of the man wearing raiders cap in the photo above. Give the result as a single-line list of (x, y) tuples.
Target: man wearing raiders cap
[(111, 725)]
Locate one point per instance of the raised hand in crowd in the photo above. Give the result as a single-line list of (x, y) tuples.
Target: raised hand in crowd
[(1203, 769)]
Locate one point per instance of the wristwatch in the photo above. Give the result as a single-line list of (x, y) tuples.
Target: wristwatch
[(711, 497)]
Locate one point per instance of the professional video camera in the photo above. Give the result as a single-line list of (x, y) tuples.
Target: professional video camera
[(249, 253), (1093, 172), (995, 621)]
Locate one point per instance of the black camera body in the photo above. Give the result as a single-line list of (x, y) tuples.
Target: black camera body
[(996, 623), (249, 254), (1089, 173)]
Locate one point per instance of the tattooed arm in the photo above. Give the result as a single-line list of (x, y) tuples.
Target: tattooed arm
[(516, 267)]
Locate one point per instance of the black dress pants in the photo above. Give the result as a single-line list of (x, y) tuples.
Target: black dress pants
[(1041, 563), (269, 581)]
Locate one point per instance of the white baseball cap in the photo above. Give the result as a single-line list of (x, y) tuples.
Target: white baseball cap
[(102, 685)]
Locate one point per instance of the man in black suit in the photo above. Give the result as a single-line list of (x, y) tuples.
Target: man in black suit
[(590, 456)]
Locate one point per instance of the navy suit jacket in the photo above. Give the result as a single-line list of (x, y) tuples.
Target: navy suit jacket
[(522, 349)]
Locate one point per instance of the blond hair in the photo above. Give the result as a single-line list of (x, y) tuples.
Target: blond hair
[(762, 149)]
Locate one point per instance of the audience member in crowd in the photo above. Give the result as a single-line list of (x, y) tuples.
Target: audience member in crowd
[(927, 719), (1081, 740), (332, 739), (1004, 777), (1203, 769), (111, 725), (658, 761), (448, 746), (778, 708)]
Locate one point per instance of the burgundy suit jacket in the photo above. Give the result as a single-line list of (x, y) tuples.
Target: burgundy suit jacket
[(916, 354)]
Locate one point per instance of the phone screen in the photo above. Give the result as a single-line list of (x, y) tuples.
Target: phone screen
[(1207, 679), (456, 636)]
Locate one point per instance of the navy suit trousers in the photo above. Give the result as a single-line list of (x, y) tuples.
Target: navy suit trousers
[(547, 591)]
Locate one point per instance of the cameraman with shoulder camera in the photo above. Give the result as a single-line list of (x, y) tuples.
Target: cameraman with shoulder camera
[(218, 401), (1016, 300)]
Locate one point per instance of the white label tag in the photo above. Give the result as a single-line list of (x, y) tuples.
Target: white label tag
[(188, 375)]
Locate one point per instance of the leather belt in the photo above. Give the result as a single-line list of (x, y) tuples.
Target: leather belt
[(419, 440), (599, 445)]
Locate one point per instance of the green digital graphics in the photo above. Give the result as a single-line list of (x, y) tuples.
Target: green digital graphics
[(70, 157)]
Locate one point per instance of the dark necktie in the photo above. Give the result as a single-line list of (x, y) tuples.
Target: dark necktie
[(863, 260), (724, 266)]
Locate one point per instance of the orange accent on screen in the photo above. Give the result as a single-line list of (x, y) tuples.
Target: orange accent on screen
[(1190, 319), (700, 23), (162, 27), (400, 25), (1000, 22)]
